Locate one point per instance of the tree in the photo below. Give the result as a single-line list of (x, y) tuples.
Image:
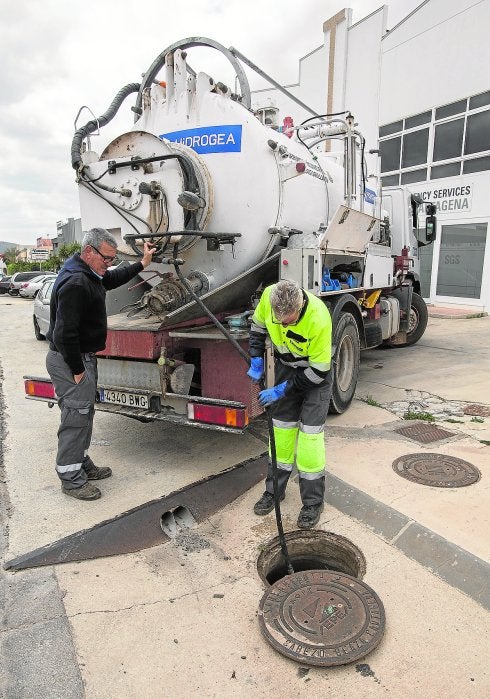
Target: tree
[(66, 251)]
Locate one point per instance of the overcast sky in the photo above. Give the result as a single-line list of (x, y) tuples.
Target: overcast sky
[(57, 55)]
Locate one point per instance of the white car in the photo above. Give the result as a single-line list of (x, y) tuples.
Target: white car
[(41, 309), (30, 288)]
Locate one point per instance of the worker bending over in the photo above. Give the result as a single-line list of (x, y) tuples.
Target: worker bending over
[(300, 329)]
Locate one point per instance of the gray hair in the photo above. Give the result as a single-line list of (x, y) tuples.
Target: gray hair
[(96, 236), (286, 298)]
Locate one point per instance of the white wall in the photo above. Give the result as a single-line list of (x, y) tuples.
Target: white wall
[(439, 54)]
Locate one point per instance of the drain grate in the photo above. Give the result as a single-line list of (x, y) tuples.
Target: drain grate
[(437, 470), (322, 618), (424, 433)]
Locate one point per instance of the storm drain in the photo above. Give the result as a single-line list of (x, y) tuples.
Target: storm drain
[(311, 550), (437, 470), (424, 433)]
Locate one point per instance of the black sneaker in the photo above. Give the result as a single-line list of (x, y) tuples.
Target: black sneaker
[(85, 492), (95, 473), (309, 516), (265, 504)]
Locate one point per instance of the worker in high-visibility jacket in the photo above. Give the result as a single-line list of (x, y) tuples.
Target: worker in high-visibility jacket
[(300, 328)]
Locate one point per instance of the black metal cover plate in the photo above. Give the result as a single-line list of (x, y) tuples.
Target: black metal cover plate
[(437, 470), (322, 618), (424, 433)]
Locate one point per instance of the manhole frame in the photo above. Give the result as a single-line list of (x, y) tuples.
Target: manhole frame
[(271, 555), (430, 456)]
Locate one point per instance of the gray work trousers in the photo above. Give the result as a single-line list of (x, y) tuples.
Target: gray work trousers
[(293, 417), (76, 403)]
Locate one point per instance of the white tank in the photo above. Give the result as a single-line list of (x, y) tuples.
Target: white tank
[(250, 179)]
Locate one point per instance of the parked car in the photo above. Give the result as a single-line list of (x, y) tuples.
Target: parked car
[(30, 288), (41, 309), (18, 279), (5, 284)]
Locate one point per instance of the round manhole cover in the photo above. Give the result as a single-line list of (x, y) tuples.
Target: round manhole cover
[(437, 470), (322, 618)]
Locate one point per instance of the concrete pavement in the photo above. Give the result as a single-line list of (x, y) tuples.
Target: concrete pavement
[(180, 619)]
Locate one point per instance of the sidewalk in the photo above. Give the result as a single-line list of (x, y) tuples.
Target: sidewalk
[(455, 312)]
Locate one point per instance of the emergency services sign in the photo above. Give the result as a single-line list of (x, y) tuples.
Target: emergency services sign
[(209, 139)]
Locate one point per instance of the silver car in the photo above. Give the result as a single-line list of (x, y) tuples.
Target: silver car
[(41, 309), (30, 289)]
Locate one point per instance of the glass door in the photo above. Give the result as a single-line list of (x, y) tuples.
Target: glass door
[(461, 257)]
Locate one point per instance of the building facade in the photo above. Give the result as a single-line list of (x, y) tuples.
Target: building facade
[(420, 93)]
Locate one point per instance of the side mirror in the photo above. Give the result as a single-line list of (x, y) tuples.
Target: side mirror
[(430, 228)]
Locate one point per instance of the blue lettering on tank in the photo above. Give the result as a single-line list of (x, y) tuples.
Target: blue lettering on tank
[(209, 139)]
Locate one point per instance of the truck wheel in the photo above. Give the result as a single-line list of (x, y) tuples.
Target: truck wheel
[(345, 363), (37, 330), (418, 320)]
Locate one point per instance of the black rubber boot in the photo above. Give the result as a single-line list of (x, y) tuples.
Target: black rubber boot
[(309, 516)]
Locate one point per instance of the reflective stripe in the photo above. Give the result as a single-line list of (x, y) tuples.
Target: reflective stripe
[(311, 429), (68, 468), (311, 476), (310, 452), (284, 467), (281, 424), (258, 329), (311, 376), (300, 363), (321, 366)]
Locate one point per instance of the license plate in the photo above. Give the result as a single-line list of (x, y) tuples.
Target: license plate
[(131, 400)]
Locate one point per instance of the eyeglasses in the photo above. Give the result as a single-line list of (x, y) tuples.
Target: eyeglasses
[(282, 322), (106, 258)]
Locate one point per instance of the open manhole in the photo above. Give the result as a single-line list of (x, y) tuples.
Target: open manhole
[(322, 618), (437, 470), (424, 433), (311, 550)]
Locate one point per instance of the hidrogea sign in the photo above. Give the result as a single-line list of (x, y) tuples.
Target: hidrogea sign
[(209, 139)]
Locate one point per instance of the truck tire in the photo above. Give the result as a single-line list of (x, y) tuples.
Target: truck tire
[(345, 363), (419, 316)]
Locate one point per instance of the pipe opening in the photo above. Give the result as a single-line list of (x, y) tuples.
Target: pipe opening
[(175, 520), (311, 550)]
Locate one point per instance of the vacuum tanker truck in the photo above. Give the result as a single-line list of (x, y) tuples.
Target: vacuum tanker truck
[(234, 199)]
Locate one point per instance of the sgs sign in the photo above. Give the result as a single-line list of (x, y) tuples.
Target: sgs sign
[(452, 259)]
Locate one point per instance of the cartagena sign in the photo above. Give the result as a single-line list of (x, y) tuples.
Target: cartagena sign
[(209, 139), (449, 198)]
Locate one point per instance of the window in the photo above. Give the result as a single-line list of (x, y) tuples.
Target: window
[(461, 260), (477, 133), (448, 140), (389, 181), (415, 148), (418, 120), (413, 176), (388, 129), (449, 170), (476, 165), (451, 109), (480, 100), (390, 154)]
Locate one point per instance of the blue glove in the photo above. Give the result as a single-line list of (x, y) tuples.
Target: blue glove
[(270, 395), (256, 370)]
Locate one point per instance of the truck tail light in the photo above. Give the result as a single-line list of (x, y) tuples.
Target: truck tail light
[(217, 414), (37, 388)]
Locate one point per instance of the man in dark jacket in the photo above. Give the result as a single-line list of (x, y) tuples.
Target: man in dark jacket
[(77, 330)]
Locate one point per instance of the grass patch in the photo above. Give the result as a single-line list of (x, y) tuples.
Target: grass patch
[(427, 417), (477, 419), (371, 401), (451, 419), (486, 442)]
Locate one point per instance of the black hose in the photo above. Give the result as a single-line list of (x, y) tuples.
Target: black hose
[(91, 126), (270, 426)]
